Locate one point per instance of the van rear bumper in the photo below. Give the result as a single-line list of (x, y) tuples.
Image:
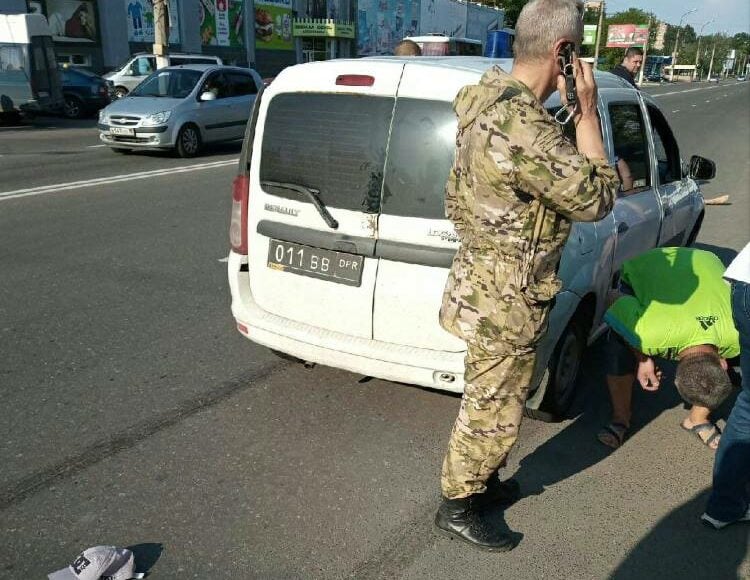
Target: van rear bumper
[(393, 362)]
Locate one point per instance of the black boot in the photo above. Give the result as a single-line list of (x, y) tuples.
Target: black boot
[(466, 520), (500, 493)]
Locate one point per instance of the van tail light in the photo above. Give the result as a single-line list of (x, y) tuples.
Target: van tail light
[(238, 222), (355, 80)]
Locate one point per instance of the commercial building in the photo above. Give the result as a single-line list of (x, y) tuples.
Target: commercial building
[(266, 34)]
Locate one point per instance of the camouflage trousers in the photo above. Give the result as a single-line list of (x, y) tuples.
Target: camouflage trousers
[(496, 387)]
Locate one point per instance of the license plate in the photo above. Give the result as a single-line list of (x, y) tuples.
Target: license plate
[(122, 131), (330, 265)]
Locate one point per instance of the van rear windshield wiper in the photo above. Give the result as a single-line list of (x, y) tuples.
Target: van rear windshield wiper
[(312, 194)]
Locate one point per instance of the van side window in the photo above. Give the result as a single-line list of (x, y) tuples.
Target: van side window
[(143, 65), (665, 148), (631, 146), (420, 155), (242, 84)]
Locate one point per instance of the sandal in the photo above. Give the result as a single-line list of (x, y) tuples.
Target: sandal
[(613, 435), (706, 432)]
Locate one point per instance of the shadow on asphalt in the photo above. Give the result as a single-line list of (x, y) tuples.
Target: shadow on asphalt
[(146, 555), (48, 124), (679, 546)]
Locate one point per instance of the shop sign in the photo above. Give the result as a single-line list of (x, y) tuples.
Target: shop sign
[(221, 23), (589, 34), (328, 28), (273, 25), (140, 18)]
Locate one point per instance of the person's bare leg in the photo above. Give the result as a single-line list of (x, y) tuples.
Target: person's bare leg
[(621, 395)]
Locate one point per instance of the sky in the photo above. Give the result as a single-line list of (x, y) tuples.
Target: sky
[(732, 16)]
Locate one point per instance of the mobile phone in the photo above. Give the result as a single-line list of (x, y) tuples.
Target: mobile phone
[(565, 62)]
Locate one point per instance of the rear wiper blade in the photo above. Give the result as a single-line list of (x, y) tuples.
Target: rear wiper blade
[(312, 194)]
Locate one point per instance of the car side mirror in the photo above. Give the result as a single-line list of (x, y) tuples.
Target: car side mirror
[(207, 96), (701, 168)]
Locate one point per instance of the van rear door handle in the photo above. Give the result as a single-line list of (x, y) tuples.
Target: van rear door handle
[(622, 227)]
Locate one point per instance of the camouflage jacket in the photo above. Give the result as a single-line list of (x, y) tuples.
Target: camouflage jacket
[(515, 186)]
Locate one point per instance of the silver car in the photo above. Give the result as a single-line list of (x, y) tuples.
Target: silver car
[(181, 108)]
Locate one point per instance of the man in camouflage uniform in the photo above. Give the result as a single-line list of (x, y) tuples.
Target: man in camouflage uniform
[(515, 186)]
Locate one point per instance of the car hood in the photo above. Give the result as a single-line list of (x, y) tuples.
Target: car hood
[(142, 105)]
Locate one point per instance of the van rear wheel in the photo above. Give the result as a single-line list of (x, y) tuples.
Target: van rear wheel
[(188, 141), (121, 92)]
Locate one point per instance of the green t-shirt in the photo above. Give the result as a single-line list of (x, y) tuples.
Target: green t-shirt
[(680, 300)]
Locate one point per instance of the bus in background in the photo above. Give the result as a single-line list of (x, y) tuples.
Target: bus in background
[(29, 79), (500, 43), (442, 45)]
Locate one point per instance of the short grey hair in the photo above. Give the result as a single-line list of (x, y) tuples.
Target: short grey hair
[(542, 23)]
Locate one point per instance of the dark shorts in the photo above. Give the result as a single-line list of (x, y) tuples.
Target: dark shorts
[(619, 358)]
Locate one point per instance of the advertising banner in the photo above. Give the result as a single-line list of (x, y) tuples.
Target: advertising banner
[(140, 19), (72, 20), (383, 23), (221, 23), (273, 25), (443, 17), (589, 34), (626, 35), (322, 28)]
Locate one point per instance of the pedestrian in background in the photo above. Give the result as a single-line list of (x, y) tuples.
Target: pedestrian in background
[(729, 501), (630, 65), (514, 188), (407, 48)]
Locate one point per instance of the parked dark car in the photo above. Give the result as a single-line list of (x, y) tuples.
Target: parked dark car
[(84, 92)]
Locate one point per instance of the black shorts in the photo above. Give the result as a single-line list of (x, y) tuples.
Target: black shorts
[(619, 357)]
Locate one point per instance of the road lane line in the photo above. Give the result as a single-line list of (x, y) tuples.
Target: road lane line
[(95, 146), (676, 111), (113, 179), (226, 259), (693, 90)]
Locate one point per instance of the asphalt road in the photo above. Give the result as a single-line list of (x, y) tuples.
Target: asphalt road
[(135, 415)]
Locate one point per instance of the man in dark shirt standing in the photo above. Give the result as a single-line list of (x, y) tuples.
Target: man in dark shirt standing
[(630, 65)]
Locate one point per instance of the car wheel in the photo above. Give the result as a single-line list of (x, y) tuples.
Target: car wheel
[(559, 380), (121, 92), (188, 141), (73, 107)]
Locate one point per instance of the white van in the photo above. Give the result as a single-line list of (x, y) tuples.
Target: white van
[(128, 76), (340, 245), (29, 78)]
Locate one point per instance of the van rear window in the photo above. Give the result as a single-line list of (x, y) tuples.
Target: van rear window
[(333, 143), (420, 155)]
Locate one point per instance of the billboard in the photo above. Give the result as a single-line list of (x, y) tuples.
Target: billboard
[(626, 35), (140, 18), (72, 20), (273, 25), (221, 23), (383, 23)]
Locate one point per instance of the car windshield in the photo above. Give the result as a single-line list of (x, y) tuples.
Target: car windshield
[(176, 84)]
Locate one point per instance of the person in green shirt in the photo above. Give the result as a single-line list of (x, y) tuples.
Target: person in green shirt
[(676, 306)]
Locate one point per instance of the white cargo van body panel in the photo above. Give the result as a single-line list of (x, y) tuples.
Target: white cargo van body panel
[(301, 109), (416, 242)]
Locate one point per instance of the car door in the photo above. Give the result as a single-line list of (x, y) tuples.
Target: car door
[(675, 191), (243, 89), (637, 211), (214, 116)]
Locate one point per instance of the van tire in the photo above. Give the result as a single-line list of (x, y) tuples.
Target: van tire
[(121, 92), (561, 374), (188, 141)]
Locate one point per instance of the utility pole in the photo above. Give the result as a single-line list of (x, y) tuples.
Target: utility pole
[(711, 66), (676, 43), (645, 51), (598, 35), (161, 33), (698, 52)]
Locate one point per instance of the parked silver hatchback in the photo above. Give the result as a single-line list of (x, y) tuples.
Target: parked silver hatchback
[(181, 108)]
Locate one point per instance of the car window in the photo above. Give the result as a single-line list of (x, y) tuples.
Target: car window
[(333, 143), (665, 148), (174, 83), (420, 153), (144, 65), (217, 84), (630, 145), (242, 84)]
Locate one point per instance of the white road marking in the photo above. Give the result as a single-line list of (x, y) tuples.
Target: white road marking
[(676, 111), (693, 105), (113, 179), (693, 90), (708, 100), (95, 146), (224, 259)]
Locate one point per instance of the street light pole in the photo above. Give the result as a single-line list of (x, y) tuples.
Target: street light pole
[(598, 35), (161, 33), (645, 51), (698, 52), (676, 42), (711, 66)]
